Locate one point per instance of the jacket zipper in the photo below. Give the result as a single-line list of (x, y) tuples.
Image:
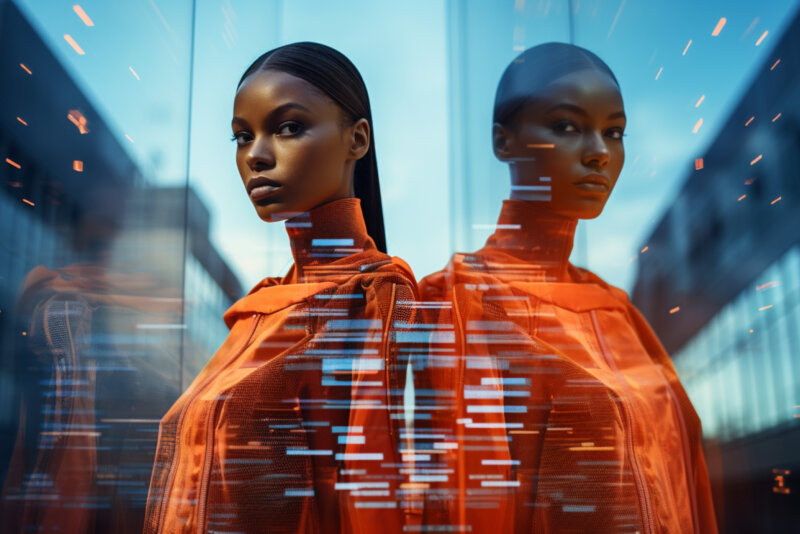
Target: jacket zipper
[(460, 460), (385, 346), (641, 487), (171, 476), (205, 477)]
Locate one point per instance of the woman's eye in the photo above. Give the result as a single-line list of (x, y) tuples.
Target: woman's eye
[(240, 138), (290, 128), (616, 133), (565, 126)]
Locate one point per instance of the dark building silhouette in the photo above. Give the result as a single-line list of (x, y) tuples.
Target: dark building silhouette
[(111, 300), (720, 284)]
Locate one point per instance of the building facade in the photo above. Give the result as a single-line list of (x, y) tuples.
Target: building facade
[(720, 284)]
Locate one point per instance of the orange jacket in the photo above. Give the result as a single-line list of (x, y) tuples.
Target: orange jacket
[(567, 414), (288, 427)]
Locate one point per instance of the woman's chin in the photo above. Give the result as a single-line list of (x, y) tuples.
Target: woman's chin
[(586, 214), (588, 208), (271, 213), (278, 215)]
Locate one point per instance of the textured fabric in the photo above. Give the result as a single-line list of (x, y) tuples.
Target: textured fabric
[(290, 421), (566, 411)]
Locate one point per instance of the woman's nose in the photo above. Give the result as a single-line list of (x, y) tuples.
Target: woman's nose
[(596, 152), (260, 156)]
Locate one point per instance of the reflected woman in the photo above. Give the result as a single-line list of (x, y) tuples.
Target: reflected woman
[(574, 416), (270, 435)]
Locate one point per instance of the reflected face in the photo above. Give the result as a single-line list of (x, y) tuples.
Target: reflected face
[(564, 146), (294, 148)]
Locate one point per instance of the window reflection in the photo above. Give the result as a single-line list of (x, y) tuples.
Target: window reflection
[(123, 223)]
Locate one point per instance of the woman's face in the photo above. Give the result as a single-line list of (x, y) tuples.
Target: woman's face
[(565, 144), (295, 149)]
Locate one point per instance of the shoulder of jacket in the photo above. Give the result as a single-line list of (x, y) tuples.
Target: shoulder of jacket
[(581, 275)]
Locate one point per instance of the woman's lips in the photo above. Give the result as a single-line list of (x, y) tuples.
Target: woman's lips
[(263, 191), (593, 187)]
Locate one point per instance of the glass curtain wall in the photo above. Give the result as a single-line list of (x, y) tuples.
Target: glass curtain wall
[(127, 232)]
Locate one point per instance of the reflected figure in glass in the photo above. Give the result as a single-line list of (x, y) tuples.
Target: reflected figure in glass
[(567, 412)]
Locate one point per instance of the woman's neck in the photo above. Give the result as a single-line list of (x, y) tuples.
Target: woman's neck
[(541, 238), (325, 234)]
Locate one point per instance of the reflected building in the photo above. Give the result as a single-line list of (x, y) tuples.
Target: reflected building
[(720, 284), (166, 230), (111, 300)]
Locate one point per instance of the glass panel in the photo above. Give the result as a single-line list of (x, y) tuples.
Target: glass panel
[(94, 140), (126, 234)]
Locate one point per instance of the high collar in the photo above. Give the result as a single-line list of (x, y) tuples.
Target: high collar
[(327, 233), (539, 238)]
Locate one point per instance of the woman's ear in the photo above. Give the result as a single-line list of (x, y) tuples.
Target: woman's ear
[(501, 141), (359, 139)]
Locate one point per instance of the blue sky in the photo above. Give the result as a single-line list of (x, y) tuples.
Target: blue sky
[(403, 52)]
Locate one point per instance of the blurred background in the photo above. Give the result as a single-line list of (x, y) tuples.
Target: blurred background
[(126, 230)]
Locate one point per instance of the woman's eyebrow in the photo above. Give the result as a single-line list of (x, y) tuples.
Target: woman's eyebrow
[(289, 105), (278, 110), (581, 111)]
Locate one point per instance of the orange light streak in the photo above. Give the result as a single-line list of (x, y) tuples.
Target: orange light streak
[(767, 285), (761, 38), (775, 64), (762, 308), (644, 250), (26, 201), (740, 198), (676, 309), (756, 160), (700, 101), (697, 125), (719, 26), (543, 145), (776, 200), (13, 163), (776, 117), (26, 69), (22, 121), (73, 44), (82, 14), (77, 118), (749, 181), (687, 47), (749, 121)]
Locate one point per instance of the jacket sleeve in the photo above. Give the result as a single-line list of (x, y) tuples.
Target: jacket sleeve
[(702, 485)]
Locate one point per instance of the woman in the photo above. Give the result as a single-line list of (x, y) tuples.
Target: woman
[(572, 416), (277, 428)]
